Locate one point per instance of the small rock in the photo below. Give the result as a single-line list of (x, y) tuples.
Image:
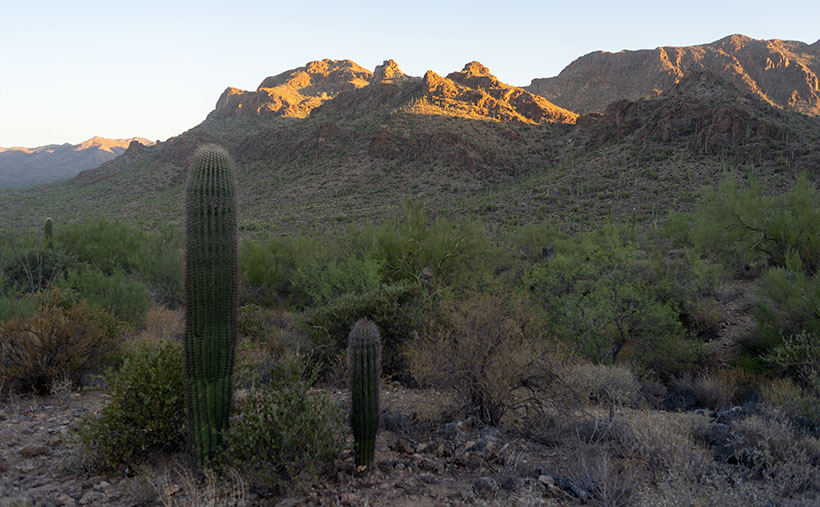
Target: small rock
[(31, 451), (452, 431), (87, 498), (428, 479), (547, 481), (397, 422), (349, 498), (104, 484), (288, 502), (65, 500), (484, 486), (507, 483)]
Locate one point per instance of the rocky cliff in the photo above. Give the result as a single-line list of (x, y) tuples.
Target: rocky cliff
[(779, 72)]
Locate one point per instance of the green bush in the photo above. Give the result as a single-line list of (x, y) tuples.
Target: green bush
[(321, 280), (438, 253), (16, 306), (160, 265), (600, 294), (743, 225), (397, 310), (126, 298), (285, 433), (145, 411), (55, 344), (107, 245), (31, 268), (267, 267)]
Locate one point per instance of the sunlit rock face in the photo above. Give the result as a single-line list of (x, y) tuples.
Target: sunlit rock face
[(782, 73)]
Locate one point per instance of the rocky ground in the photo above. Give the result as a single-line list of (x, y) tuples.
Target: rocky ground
[(458, 463)]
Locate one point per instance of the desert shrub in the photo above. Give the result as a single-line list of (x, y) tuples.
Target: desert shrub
[(605, 383), (320, 280), (743, 225), (267, 266), (284, 434), (602, 296), (788, 303), (57, 343), (770, 445), (159, 263), (798, 356), (105, 244), (16, 306), (119, 294), (398, 310), (161, 325), (146, 409), (798, 403), (485, 348), (410, 247), (715, 390), (30, 266)]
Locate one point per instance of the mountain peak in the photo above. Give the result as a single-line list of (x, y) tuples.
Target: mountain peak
[(294, 93), (388, 72)]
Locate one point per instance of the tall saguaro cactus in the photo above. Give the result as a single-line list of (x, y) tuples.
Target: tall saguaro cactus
[(48, 234), (364, 357), (211, 285)]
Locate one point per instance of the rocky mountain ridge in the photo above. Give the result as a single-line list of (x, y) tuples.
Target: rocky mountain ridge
[(780, 72), (471, 93), (20, 166)]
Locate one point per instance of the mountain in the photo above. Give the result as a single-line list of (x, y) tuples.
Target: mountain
[(21, 167), (332, 144), (781, 73)]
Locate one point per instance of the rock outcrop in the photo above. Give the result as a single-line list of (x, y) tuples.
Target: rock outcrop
[(295, 93), (474, 92), (781, 73)]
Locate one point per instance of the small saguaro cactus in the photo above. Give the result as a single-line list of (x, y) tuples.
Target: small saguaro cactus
[(48, 234), (211, 286), (364, 351)]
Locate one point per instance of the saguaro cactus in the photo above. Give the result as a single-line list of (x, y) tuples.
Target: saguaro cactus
[(211, 285), (48, 234), (364, 351)]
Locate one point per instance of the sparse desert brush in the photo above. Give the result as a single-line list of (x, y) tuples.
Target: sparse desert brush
[(485, 348), (161, 324), (606, 383), (717, 389), (780, 454), (57, 343)]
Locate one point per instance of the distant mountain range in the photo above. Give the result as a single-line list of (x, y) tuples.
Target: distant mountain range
[(630, 135), (21, 167), (780, 72)]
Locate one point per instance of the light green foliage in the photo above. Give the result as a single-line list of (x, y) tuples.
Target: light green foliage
[(268, 266), (798, 356), (143, 412), (321, 279), (16, 306), (125, 298), (436, 253), (211, 295), (789, 301), (106, 245), (600, 293), (364, 352), (159, 262), (285, 433), (744, 224)]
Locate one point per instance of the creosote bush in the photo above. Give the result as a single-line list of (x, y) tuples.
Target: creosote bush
[(486, 349), (57, 343), (284, 434), (145, 410)]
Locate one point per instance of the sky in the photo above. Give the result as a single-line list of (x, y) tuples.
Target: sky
[(73, 70)]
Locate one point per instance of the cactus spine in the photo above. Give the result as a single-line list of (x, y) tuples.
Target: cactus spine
[(211, 284), (48, 233), (364, 358)]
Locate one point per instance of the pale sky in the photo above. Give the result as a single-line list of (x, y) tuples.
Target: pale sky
[(73, 70)]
